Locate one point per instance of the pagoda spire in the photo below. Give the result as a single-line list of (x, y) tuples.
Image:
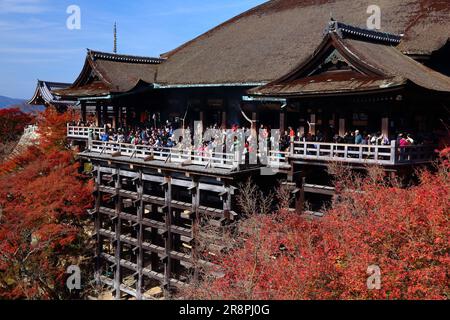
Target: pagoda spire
[(115, 38)]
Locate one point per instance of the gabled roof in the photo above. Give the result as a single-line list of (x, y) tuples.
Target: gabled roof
[(351, 60), (43, 94), (106, 73), (266, 42)]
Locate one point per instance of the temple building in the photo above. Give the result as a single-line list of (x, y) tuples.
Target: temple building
[(114, 84), (359, 79), (281, 65), (44, 96)]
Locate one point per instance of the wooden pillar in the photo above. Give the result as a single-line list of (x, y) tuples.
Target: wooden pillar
[(342, 128), (312, 124), (283, 114), (128, 117), (116, 120), (300, 196), (202, 118), (195, 190), (140, 235), (254, 126), (138, 115), (168, 234), (98, 223), (226, 200), (118, 224), (385, 127), (105, 115), (224, 119), (98, 115), (121, 117), (83, 112)]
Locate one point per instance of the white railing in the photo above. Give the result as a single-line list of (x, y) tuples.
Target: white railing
[(279, 159), (168, 155), (75, 132), (325, 152), (363, 154)]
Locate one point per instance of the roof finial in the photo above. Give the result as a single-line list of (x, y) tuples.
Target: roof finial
[(115, 37), (332, 24)]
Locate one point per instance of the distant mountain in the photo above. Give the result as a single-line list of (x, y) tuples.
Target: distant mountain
[(7, 102)]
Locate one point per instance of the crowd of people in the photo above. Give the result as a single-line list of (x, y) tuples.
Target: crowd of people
[(350, 137), (155, 137), (217, 138)]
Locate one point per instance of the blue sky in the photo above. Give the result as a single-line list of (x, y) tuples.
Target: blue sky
[(35, 42)]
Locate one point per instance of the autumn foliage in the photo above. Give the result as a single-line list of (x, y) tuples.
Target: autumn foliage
[(403, 231), (43, 201), (12, 123)]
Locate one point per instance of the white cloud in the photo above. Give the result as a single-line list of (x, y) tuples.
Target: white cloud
[(30, 24), (22, 6), (56, 51)]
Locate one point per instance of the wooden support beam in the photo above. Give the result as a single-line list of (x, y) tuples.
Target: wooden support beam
[(226, 199), (312, 124), (168, 240), (116, 121), (283, 120), (140, 236), (342, 127), (105, 115), (118, 226), (98, 115), (98, 223), (83, 112), (385, 127), (195, 191), (224, 120), (300, 196)]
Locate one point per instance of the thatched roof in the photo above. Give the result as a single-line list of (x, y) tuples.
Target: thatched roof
[(351, 60), (105, 73), (268, 41), (261, 45), (43, 94)]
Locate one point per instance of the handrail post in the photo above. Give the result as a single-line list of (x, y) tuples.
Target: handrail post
[(394, 152), (89, 142)]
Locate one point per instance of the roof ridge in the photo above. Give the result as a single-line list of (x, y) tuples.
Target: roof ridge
[(99, 55), (349, 31)]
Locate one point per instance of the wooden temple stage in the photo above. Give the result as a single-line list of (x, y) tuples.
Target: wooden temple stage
[(325, 79)]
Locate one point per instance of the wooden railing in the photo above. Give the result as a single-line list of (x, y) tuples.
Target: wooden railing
[(168, 155), (352, 153), (75, 132)]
